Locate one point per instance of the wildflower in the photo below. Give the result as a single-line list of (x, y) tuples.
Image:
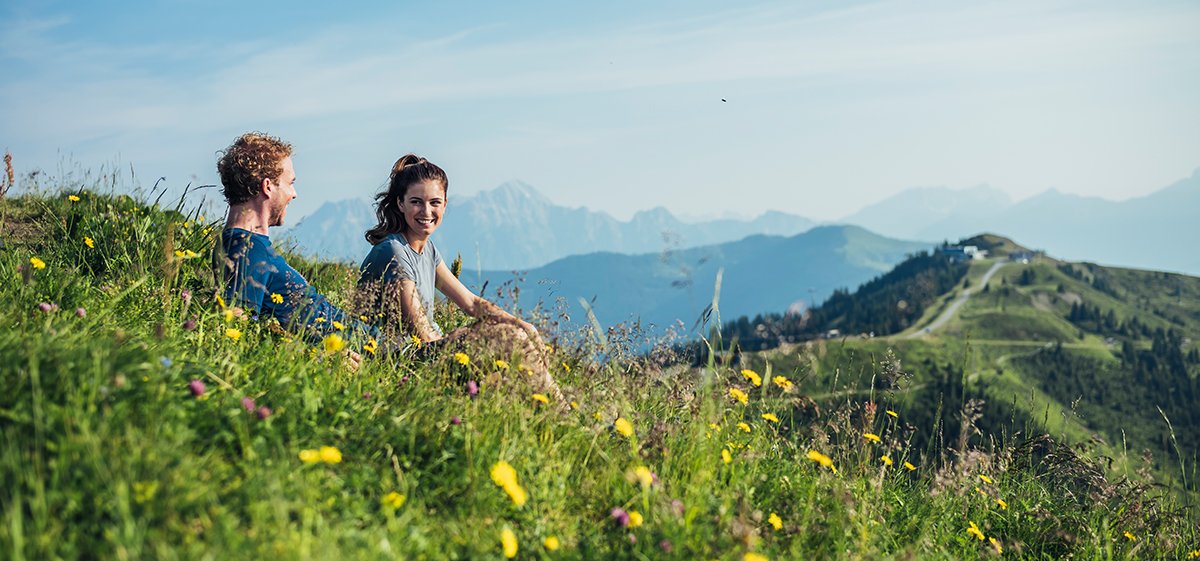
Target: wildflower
[(619, 514), (770, 417), (642, 475), (753, 377), (333, 343), (228, 315), (624, 427), (310, 456), (986, 479), (416, 341), (566, 367), (714, 426), (887, 461), (455, 420), (892, 414), (80, 312), (234, 334), (339, 325), (1003, 505), (277, 298), (189, 325), (821, 459), (371, 346), (726, 456), (782, 382), (574, 404), (220, 302), (1194, 554), (505, 476), (248, 404), (666, 546), (1130, 537), (462, 358), (73, 198), (909, 467), (363, 318), (996, 544), (263, 412), (635, 519), (330, 455), (550, 543), (775, 521), (508, 542), (472, 388), (88, 241), (541, 398), (37, 263), (751, 556), (739, 395), (393, 500), (743, 427), (502, 364), (46, 307), (196, 387), (975, 531), (319, 320)]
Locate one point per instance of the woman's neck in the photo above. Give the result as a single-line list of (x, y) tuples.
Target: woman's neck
[(415, 241)]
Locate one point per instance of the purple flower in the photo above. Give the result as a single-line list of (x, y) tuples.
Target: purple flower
[(455, 420), (187, 296), (46, 307), (264, 412), (196, 387), (619, 514), (81, 312), (665, 545), (189, 325), (472, 388), (366, 395), (248, 404), (632, 538), (677, 507), (402, 381)]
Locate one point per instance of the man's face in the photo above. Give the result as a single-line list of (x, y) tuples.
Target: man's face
[(282, 192)]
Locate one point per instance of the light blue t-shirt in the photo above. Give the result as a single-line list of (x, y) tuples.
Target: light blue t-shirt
[(393, 260)]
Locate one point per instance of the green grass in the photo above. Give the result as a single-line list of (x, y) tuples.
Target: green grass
[(107, 454)]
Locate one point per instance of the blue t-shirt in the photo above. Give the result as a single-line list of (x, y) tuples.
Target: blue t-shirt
[(258, 279), (392, 260)]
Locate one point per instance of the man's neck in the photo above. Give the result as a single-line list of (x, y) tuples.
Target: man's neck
[(248, 217)]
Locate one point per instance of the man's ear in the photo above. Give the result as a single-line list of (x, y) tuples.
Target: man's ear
[(266, 187)]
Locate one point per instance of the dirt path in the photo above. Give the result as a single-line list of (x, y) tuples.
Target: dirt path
[(962, 299)]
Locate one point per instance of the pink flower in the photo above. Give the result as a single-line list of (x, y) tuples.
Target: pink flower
[(472, 388), (189, 325), (619, 514), (248, 404), (665, 545), (187, 296), (46, 307), (264, 412), (455, 420), (196, 387), (80, 312)]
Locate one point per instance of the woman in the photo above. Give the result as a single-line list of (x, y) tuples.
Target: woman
[(404, 267)]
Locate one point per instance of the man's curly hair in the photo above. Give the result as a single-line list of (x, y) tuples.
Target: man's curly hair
[(251, 158)]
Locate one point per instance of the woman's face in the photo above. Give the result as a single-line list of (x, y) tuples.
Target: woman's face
[(422, 207)]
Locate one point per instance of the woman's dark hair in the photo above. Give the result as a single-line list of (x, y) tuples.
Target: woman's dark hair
[(408, 170)]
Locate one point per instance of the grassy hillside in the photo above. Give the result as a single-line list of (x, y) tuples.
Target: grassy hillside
[(140, 419)]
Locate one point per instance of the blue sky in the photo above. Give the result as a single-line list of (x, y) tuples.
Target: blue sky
[(617, 106)]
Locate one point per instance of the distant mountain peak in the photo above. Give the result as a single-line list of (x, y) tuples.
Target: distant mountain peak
[(517, 189)]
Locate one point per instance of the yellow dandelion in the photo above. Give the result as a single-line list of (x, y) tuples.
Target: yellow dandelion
[(505, 477), (541, 398), (339, 325), (1130, 537), (598, 416), (363, 318), (371, 346), (416, 341), (782, 382), (566, 367), (333, 343), (1003, 505), (88, 241), (227, 315), (770, 417), (643, 476), (892, 414), (751, 556), (462, 358), (635, 519), (310, 456), (574, 404), (887, 461), (330, 455), (502, 364), (37, 263), (739, 395), (232, 333), (909, 467), (625, 428), (550, 543), (73, 198), (743, 427), (753, 377), (508, 543), (221, 302), (277, 298), (775, 521), (822, 459), (986, 479), (996, 544), (871, 437), (726, 456), (714, 426), (975, 531), (393, 500), (319, 320), (1194, 554)]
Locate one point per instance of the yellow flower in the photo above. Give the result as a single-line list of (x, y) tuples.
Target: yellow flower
[(541, 397), (37, 263), (232, 333), (739, 395), (770, 417), (624, 427), (277, 298), (986, 479), (782, 382), (416, 341), (333, 343), (751, 556), (726, 456), (975, 531), (462, 358), (909, 467), (743, 427), (1194, 554), (714, 426), (371, 346), (338, 325), (73, 198), (641, 475), (574, 405), (775, 521), (88, 241), (753, 377), (996, 544), (363, 318), (550, 543), (310, 456), (502, 364), (228, 315), (566, 367), (393, 500), (221, 302), (892, 414), (508, 543), (330, 455), (821, 459), (635, 519), (887, 461), (505, 477), (1003, 505), (319, 320), (1130, 537), (871, 437)]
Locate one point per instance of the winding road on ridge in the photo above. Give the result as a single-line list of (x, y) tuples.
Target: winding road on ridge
[(962, 299)]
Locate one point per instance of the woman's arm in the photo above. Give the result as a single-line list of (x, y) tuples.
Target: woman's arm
[(473, 305), (412, 313)]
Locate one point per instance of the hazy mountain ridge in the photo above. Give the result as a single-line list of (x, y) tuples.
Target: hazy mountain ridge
[(516, 227)]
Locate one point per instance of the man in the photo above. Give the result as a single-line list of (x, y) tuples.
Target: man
[(259, 182)]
